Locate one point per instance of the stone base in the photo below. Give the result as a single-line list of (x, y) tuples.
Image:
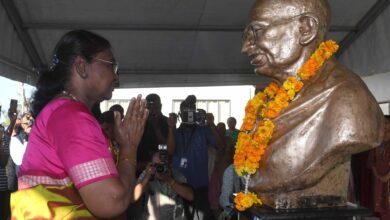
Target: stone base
[(335, 213)]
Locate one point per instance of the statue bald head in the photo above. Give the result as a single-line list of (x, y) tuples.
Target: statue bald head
[(320, 9), (282, 34)]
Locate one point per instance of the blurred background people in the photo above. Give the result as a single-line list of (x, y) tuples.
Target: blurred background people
[(224, 157), (117, 108), (232, 131), (231, 184), (107, 122), (20, 139), (7, 167), (379, 163)]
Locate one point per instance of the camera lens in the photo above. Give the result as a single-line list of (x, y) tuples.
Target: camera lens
[(161, 168)]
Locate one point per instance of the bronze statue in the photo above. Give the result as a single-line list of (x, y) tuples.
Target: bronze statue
[(307, 162)]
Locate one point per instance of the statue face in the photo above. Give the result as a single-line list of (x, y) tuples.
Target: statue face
[(271, 39)]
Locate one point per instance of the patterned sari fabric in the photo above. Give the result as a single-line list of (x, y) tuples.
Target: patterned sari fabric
[(49, 202), (67, 150)]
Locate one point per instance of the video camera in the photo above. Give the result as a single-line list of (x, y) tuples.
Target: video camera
[(163, 166), (188, 112)]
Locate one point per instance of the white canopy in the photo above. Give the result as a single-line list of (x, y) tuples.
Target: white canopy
[(176, 42)]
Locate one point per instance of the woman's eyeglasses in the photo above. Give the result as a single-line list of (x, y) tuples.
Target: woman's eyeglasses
[(113, 63)]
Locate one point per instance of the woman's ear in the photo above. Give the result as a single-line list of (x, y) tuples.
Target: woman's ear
[(80, 66), (308, 28)]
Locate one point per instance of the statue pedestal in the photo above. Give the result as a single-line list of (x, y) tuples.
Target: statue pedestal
[(336, 213)]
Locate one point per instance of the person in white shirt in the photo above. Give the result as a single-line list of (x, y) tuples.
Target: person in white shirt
[(19, 141)]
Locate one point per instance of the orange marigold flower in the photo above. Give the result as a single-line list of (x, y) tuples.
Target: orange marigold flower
[(260, 96), (250, 108), (271, 90), (282, 98), (244, 201), (330, 46), (308, 69), (270, 113)]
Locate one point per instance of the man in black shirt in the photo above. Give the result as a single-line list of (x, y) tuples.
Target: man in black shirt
[(156, 132)]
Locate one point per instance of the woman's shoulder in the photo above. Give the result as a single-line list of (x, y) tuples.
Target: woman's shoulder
[(63, 110), (67, 109)]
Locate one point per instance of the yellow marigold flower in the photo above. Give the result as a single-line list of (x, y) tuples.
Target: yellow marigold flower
[(292, 83), (255, 198), (239, 170), (291, 94), (287, 85), (264, 130), (269, 124)]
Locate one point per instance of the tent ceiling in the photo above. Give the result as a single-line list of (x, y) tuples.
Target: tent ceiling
[(167, 43)]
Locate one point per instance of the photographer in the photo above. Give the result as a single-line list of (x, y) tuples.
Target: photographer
[(189, 146), (164, 189)]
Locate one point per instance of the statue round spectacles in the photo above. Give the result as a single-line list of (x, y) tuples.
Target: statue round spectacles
[(256, 29)]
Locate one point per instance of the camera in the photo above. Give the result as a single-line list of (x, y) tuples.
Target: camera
[(163, 166), (188, 112), (193, 116)]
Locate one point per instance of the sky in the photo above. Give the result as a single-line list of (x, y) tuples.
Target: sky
[(9, 90)]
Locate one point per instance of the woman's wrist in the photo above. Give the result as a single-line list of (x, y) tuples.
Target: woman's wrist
[(131, 160)]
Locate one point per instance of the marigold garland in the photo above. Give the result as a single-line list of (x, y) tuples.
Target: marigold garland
[(257, 127)]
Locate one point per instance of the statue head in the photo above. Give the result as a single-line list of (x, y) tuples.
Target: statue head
[(282, 34)]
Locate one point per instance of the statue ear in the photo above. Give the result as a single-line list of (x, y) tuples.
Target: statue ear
[(309, 28), (80, 65)]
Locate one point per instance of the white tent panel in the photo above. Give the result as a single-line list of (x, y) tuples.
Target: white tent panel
[(370, 53), (163, 38), (379, 86), (14, 63), (347, 12), (172, 12)]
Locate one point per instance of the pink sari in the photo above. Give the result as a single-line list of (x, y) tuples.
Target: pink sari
[(67, 150)]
